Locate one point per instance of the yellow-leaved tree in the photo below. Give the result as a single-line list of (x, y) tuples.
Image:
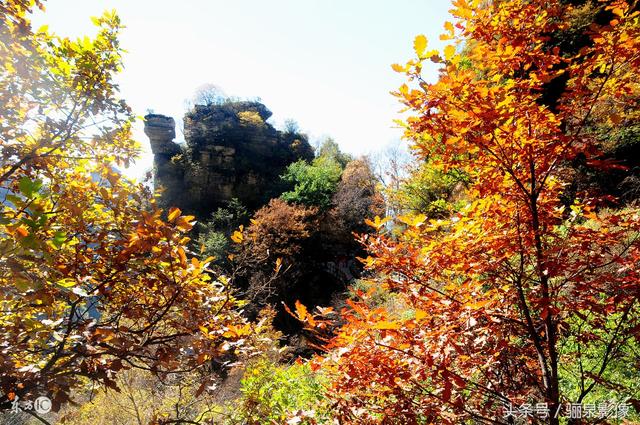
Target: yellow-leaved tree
[(94, 279)]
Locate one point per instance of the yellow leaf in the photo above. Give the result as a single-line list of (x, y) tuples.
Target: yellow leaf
[(183, 256), (377, 222), (387, 325), (398, 68), (237, 237), (301, 310), (478, 305), (185, 223), (413, 220), (173, 214), (237, 331), (420, 45), (369, 261), (448, 26), (449, 51), (420, 314), (67, 283)]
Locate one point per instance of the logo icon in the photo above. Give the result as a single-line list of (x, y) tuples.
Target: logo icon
[(42, 405)]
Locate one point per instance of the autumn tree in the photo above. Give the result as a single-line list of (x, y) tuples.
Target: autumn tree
[(94, 278), (356, 199), (269, 252), (517, 298)]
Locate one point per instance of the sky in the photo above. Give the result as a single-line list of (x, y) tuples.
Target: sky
[(323, 63)]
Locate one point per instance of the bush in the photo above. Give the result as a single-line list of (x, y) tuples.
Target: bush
[(213, 244), (271, 393), (213, 238), (314, 184), (430, 190)]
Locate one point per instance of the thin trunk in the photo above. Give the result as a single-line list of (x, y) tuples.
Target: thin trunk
[(551, 387)]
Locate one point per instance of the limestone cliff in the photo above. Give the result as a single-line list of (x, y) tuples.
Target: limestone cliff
[(231, 151)]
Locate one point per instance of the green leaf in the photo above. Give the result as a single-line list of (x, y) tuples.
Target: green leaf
[(29, 187), (23, 285), (58, 239), (15, 200)]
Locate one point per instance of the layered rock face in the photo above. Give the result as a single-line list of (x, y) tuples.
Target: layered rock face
[(230, 152)]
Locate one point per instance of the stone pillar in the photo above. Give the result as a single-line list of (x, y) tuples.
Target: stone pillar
[(167, 174), (161, 131)]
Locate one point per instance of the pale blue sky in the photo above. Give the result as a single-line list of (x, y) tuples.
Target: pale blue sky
[(324, 63)]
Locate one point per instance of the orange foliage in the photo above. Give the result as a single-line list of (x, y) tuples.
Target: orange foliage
[(499, 287)]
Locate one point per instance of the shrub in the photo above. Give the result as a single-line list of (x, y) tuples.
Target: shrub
[(272, 393), (314, 184)]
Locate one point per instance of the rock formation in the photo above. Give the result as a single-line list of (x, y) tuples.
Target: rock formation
[(231, 151)]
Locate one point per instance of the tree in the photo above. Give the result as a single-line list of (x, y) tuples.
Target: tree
[(428, 190), (94, 278), (516, 292), (213, 238), (314, 184), (291, 126), (294, 251), (329, 149), (356, 199), (276, 393), (270, 251), (390, 166), (207, 95)]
